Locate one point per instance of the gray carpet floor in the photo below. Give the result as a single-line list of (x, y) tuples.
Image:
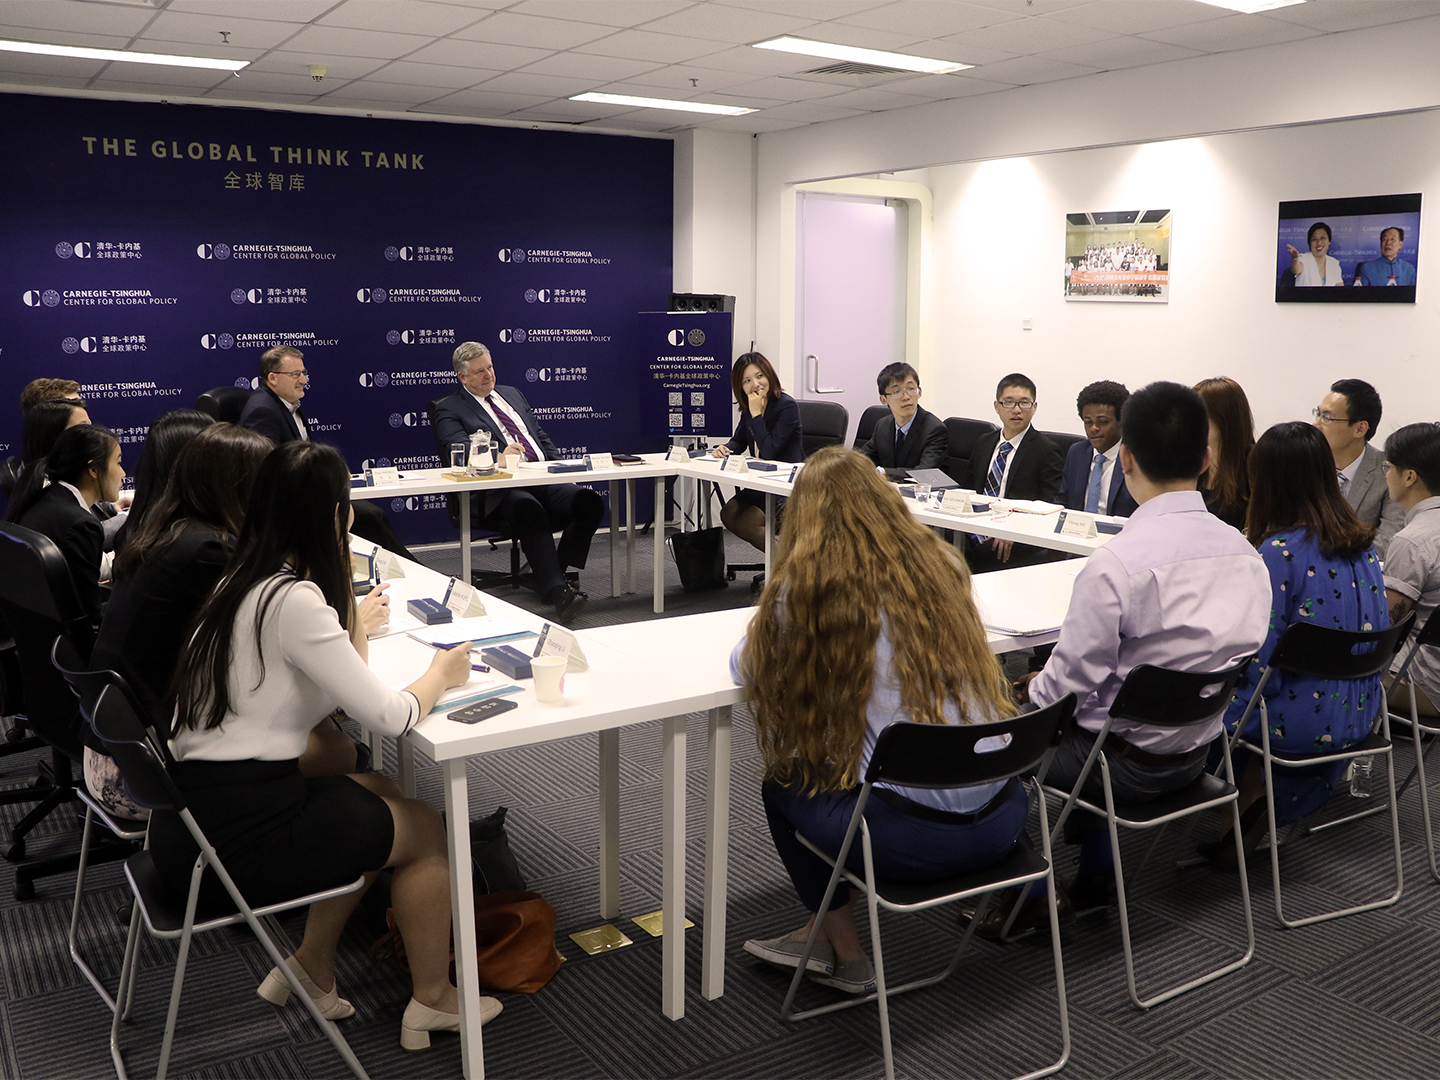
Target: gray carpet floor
[(1353, 998)]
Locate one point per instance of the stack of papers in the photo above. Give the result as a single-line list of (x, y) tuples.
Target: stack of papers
[(1018, 621), (484, 630)]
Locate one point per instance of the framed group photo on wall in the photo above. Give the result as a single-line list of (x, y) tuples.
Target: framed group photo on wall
[(1348, 251), (1118, 256)]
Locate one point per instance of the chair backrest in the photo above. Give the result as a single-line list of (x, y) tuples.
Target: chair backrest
[(126, 740), (38, 600), (430, 407), (88, 685), (868, 419), (9, 475), (822, 423), (944, 755), (962, 433), (224, 403), (1324, 652), (1063, 439), (1166, 698)]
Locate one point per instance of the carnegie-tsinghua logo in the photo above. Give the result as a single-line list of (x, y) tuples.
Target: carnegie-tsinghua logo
[(217, 341), (36, 298), (86, 344), (371, 296), (408, 419), (512, 255), (400, 505), (696, 337), (391, 254), (517, 336), (248, 384), (376, 378), (247, 296), (64, 249), (213, 251)]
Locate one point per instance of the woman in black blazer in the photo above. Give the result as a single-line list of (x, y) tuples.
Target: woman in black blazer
[(769, 428)]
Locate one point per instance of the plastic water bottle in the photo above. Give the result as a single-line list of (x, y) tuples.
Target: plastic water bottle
[(1360, 777)]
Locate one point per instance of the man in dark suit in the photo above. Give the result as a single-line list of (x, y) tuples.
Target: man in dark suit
[(909, 438), (531, 515), (1015, 462), (274, 411), (1091, 482)]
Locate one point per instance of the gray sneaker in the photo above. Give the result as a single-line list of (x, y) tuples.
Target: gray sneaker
[(852, 976), (787, 953)]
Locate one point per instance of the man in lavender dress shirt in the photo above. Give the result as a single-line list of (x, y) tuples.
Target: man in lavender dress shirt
[(1177, 588)]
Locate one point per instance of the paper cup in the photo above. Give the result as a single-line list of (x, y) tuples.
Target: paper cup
[(549, 672), (510, 462)]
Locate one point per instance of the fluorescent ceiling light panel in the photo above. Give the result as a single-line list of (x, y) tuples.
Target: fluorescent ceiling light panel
[(664, 103), (78, 53), (806, 47), (1251, 7)]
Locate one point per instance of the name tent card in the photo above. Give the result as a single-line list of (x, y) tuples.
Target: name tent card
[(678, 455), (956, 501), (382, 477), (734, 464), (596, 462), (1073, 523), (463, 599), (558, 641)]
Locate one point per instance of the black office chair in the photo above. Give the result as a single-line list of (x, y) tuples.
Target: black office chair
[(483, 579), (169, 915), (822, 423), (868, 419), (962, 433), (224, 403), (1323, 652), (1064, 440), (38, 601), (946, 756), (1168, 699)]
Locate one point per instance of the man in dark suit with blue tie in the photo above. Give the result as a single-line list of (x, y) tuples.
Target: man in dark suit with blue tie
[(909, 438), (1091, 482), (531, 515)]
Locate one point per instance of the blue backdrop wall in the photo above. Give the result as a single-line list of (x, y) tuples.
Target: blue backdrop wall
[(153, 251)]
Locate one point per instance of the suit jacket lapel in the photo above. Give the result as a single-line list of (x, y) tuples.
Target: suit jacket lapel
[(1364, 477), (1117, 485)]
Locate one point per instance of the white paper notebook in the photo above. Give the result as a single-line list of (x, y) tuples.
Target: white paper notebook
[(1018, 621), (486, 630)]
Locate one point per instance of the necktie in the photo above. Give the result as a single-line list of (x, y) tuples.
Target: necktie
[(997, 470), (1092, 493), (512, 429), (899, 444), (1344, 482)]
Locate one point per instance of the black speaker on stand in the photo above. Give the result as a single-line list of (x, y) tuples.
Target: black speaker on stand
[(701, 302)]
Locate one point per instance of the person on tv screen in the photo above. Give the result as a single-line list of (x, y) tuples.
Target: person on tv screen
[(1315, 267), (1389, 269)]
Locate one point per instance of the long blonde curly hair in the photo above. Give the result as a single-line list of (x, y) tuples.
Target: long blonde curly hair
[(849, 553)]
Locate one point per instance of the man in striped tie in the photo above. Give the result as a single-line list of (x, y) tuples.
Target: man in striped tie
[(531, 515)]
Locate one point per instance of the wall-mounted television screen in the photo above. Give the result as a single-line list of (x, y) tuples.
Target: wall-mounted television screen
[(1348, 251)]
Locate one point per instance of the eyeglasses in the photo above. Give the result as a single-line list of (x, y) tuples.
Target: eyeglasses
[(1016, 403), (302, 374), (1326, 418), (903, 392), (1386, 466)]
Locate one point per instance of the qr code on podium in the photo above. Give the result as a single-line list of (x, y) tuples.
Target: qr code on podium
[(697, 398), (677, 419), (697, 419), (677, 398)]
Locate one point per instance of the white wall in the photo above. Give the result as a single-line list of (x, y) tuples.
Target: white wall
[(998, 225), (715, 221)]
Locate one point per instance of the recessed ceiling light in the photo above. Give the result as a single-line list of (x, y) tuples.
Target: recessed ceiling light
[(830, 51), (664, 103), (78, 53), (1251, 7)]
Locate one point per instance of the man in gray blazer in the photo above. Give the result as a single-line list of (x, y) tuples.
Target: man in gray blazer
[(1348, 417)]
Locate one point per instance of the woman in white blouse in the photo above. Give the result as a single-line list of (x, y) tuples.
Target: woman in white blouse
[(1315, 267), (278, 647)]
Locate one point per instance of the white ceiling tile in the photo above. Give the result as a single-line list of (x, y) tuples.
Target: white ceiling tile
[(754, 123), (480, 54), (1034, 7), (400, 16), (595, 68), (572, 112), (83, 18), (293, 11), (874, 100), (11, 78), (1024, 70), (1121, 52), (807, 9), (524, 82), (758, 62), (604, 12), (930, 18), (505, 28), (1335, 15), (643, 45), (341, 68), (61, 67), (222, 93), (383, 95), (483, 103), (1128, 17), (1232, 32), (293, 81), (443, 75), (780, 88), (864, 37), (738, 96), (944, 87), (812, 112), (252, 34), (677, 78), (196, 79), (345, 42), (738, 25), (941, 49), (1027, 36)]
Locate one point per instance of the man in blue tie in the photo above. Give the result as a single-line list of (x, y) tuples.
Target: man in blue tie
[(531, 515), (909, 438), (1091, 482)]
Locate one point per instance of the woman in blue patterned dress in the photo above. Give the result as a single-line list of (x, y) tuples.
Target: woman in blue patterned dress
[(1323, 570)]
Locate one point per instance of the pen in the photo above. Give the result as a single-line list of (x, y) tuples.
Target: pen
[(479, 667)]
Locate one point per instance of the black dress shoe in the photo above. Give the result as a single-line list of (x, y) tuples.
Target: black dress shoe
[(1091, 892), (757, 583), (568, 601), (1034, 914)]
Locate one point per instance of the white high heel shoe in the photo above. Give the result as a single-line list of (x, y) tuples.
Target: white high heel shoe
[(420, 1020), (276, 990)]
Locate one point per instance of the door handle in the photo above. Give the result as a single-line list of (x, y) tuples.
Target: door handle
[(815, 387)]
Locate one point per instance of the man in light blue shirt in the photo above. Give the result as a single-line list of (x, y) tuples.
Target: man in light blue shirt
[(1389, 269)]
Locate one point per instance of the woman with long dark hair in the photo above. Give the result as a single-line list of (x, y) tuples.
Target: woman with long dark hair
[(55, 495), (164, 440), (277, 648), (1324, 571), (1232, 436), (769, 428), (867, 619)]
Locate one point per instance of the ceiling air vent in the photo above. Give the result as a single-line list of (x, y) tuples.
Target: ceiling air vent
[(850, 67), (854, 75)]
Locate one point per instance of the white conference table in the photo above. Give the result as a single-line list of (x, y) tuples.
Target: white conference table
[(636, 675)]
